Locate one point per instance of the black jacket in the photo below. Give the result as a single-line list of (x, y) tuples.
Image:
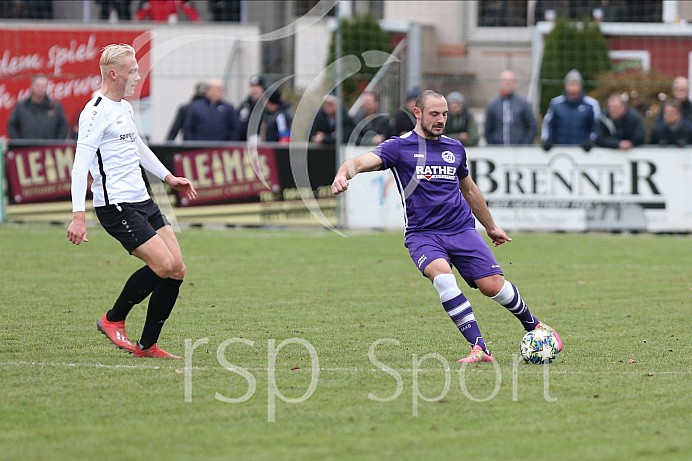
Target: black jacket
[(45, 120), (180, 119), (663, 135), (630, 127), (323, 124)]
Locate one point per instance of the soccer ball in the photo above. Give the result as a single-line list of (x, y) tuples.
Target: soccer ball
[(538, 346)]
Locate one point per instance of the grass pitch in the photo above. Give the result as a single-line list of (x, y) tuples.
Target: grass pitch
[(621, 388)]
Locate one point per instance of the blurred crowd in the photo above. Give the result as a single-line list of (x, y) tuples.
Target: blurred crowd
[(573, 118)]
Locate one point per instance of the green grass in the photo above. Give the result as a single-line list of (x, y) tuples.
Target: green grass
[(623, 383)]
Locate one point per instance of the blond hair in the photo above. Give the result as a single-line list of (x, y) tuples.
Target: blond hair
[(112, 54)]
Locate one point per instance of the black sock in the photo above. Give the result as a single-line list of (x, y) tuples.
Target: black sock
[(138, 286), (160, 307)]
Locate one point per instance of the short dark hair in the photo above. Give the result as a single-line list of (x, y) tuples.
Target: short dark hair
[(420, 100)]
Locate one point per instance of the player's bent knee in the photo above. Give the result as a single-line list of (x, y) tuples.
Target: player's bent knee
[(490, 286), (178, 271), (163, 266)]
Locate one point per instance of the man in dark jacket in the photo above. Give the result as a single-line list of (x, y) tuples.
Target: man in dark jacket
[(277, 120), (673, 130), (509, 118), (460, 122), (620, 127), (257, 87), (323, 130), (680, 92), (38, 116), (200, 90), (572, 116), (372, 125), (404, 120), (211, 118)]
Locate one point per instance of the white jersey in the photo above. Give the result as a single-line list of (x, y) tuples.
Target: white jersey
[(108, 144)]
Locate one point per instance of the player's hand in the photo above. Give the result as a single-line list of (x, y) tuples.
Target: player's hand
[(498, 236), (339, 185), (182, 185), (76, 233)]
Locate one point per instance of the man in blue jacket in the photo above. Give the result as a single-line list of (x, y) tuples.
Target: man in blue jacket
[(620, 127), (572, 116), (211, 118)]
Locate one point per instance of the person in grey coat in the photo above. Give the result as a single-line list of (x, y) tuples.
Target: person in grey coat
[(38, 116), (509, 118)]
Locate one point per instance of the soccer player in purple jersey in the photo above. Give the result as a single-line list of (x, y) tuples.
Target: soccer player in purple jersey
[(440, 201)]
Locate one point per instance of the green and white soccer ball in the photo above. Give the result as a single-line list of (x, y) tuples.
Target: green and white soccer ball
[(538, 346)]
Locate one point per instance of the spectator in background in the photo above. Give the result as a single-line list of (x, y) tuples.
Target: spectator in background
[(620, 126), (257, 87), (38, 116), (277, 119), (460, 123), (572, 116), (200, 91), (211, 118), (121, 8), (166, 10), (323, 130), (509, 118), (371, 124), (404, 120), (26, 9), (680, 93), (673, 129)]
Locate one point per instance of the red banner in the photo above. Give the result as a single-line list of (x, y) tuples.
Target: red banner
[(227, 173), (41, 173), (70, 59)]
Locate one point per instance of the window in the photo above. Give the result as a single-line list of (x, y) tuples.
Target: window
[(611, 10), (507, 13)]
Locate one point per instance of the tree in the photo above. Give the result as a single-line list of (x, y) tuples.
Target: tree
[(572, 45), (362, 33)]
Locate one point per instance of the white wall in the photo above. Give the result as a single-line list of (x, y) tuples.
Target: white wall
[(311, 49), (185, 54)]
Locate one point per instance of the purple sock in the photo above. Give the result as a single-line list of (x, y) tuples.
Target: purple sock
[(461, 313), (510, 298)]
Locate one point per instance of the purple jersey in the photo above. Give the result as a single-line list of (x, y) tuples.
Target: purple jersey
[(427, 173)]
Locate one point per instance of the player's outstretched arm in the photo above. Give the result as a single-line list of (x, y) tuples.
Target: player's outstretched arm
[(474, 197), (182, 185), (353, 166)]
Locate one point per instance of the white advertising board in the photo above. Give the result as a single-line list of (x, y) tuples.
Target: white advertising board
[(566, 189)]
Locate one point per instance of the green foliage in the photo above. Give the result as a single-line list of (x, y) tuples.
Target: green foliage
[(362, 33), (572, 45), (645, 91)]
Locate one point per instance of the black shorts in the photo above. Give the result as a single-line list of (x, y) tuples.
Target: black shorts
[(132, 224)]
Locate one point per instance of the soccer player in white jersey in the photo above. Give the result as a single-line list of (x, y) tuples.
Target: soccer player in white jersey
[(440, 201), (110, 149)]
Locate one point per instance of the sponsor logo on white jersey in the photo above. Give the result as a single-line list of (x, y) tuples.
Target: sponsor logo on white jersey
[(448, 156), (436, 172)]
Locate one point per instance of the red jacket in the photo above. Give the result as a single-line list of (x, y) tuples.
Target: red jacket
[(160, 10)]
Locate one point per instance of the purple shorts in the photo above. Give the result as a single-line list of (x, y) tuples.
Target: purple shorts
[(466, 250)]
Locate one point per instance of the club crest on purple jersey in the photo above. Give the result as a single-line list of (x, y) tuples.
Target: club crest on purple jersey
[(448, 156)]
